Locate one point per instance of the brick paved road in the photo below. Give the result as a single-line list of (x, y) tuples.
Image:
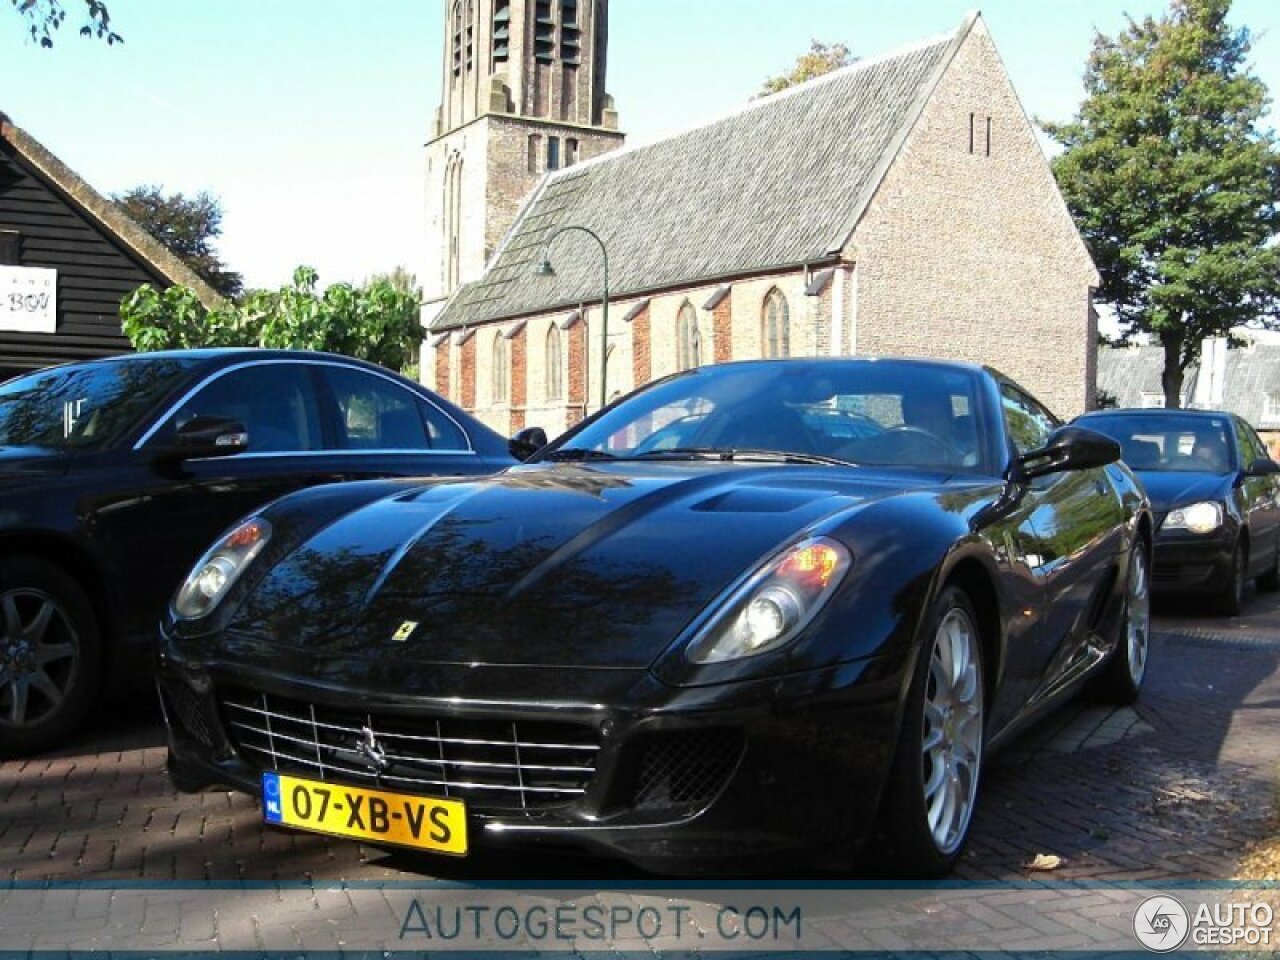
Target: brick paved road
[(1173, 788)]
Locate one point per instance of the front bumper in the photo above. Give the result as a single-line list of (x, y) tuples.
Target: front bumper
[(1185, 562), (740, 776)]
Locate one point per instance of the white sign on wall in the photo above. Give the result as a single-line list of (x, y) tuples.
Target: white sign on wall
[(29, 299)]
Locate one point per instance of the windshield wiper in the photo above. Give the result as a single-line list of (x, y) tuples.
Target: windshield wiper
[(578, 454), (730, 454)]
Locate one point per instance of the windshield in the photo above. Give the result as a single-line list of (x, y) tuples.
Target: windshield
[(83, 406), (883, 413), (1169, 442)]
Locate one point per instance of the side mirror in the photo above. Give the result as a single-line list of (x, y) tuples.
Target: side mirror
[(527, 442), (208, 437), (1069, 448), (1262, 467)]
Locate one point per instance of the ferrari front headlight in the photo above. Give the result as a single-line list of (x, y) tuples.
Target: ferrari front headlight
[(774, 604), (1203, 517), (217, 570)]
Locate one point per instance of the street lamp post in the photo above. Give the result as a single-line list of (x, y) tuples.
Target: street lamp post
[(544, 269)]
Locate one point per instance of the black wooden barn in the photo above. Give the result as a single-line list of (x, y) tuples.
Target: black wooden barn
[(68, 256)]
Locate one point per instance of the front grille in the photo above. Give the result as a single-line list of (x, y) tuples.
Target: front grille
[(685, 768), (1173, 574), (187, 712), (495, 765)]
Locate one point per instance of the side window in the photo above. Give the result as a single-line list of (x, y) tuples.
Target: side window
[(1263, 449), (274, 401), (1028, 423), (376, 414), (443, 432), (1249, 446)]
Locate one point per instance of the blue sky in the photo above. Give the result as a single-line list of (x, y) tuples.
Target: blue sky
[(307, 117)]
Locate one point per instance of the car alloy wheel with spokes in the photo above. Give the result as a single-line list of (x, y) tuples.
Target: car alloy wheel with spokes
[(952, 746), (49, 654), (39, 656), (1120, 678), (934, 787), (1138, 617)]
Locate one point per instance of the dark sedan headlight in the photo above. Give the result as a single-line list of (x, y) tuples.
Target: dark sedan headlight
[(774, 604), (218, 569), (1204, 517)]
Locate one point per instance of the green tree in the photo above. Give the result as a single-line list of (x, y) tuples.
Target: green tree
[(400, 277), (822, 58), (186, 225), (44, 17), (1174, 182), (374, 321)]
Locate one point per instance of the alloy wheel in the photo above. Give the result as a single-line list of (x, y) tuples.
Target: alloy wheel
[(39, 656), (1138, 625), (953, 722)]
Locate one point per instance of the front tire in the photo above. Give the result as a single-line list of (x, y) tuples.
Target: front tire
[(936, 771), (50, 655), (1120, 681), (1269, 582), (1231, 599)]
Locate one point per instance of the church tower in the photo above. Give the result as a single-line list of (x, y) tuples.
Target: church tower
[(523, 93)]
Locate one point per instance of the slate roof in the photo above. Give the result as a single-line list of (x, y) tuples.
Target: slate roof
[(1251, 374), (97, 207), (781, 182)]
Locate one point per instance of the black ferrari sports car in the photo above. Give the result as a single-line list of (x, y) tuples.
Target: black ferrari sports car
[(709, 627), (1215, 496)]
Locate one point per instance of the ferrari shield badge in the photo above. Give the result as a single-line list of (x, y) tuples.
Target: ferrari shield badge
[(405, 631)]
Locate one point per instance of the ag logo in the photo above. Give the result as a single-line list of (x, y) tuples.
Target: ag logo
[(1161, 924), (405, 631)]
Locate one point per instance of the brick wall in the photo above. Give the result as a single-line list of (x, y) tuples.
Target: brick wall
[(722, 330), (467, 374), (641, 361), (519, 378), (820, 323), (576, 374), (443, 386), (974, 257)]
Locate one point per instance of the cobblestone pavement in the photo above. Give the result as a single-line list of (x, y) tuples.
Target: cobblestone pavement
[(1173, 788)]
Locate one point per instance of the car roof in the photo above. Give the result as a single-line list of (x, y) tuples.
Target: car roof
[(219, 353), (1154, 412), (210, 358), (923, 362)]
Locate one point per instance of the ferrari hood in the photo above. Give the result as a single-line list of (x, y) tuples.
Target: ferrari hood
[(1169, 489), (550, 565)]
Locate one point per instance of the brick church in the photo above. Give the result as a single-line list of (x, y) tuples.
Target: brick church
[(900, 206)]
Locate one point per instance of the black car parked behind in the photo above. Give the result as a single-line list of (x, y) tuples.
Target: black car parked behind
[(116, 474), (1213, 491)]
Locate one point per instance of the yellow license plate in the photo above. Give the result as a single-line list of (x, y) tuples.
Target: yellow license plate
[(398, 818)]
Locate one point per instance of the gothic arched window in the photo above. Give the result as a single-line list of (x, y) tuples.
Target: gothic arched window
[(688, 342), (776, 320), (498, 378), (453, 221), (555, 385)]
